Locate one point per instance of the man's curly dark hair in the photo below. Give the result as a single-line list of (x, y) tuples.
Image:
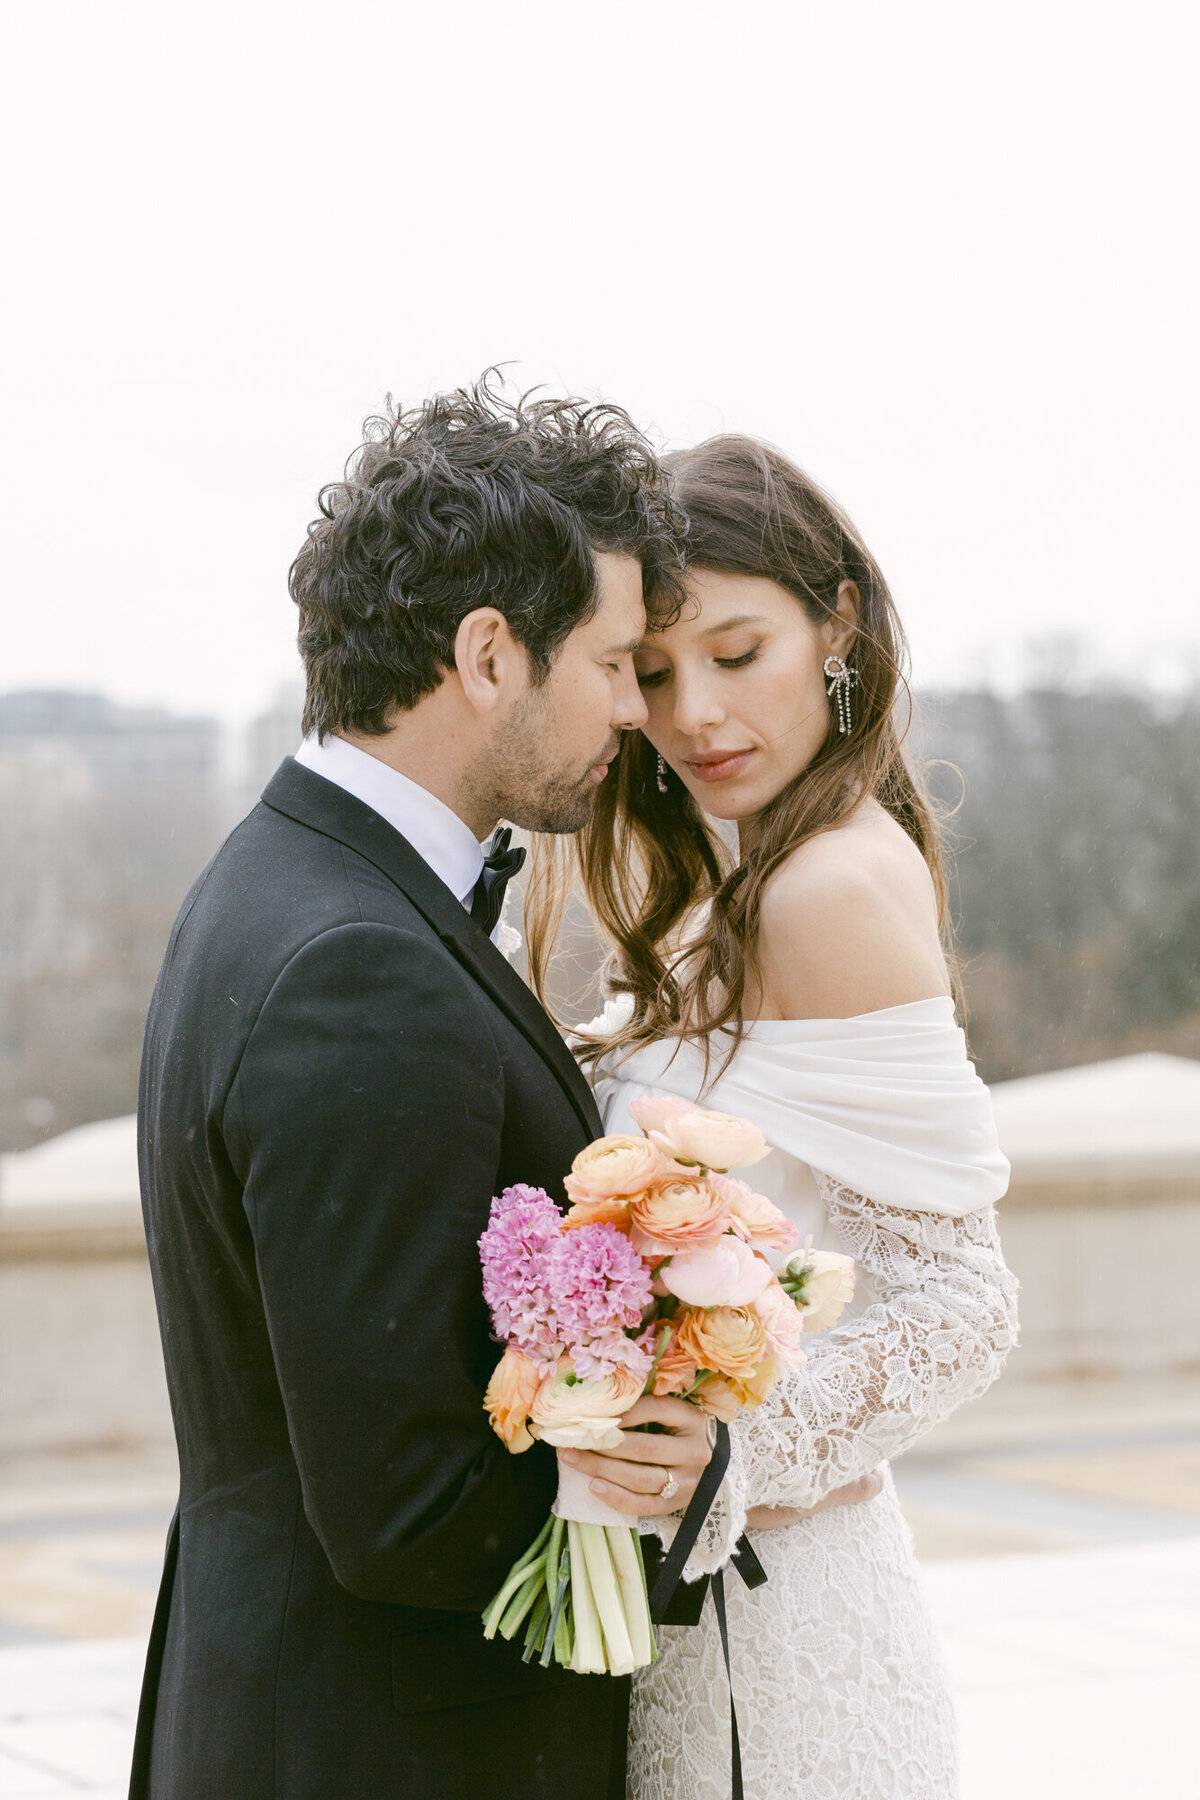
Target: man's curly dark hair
[(471, 499)]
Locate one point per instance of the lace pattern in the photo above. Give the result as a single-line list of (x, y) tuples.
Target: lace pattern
[(837, 1675)]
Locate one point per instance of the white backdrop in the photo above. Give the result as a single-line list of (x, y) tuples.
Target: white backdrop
[(944, 254)]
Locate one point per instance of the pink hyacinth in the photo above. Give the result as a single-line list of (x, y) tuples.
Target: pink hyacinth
[(600, 1288), (522, 1230)]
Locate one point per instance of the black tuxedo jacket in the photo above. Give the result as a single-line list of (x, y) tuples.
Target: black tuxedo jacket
[(340, 1071)]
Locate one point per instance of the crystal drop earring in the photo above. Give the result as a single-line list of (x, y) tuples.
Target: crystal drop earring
[(839, 679), (661, 776)]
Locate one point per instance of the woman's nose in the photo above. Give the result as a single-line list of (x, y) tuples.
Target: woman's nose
[(697, 706)]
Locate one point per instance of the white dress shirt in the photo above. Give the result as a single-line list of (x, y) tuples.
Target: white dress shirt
[(436, 833)]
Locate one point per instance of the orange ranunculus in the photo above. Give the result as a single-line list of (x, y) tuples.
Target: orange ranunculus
[(612, 1165), (753, 1389), (598, 1212), (676, 1213), (728, 1339), (724, 1398), (677, 1370), (509, 1397)]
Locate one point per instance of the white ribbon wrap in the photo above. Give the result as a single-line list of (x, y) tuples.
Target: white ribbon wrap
[(576, 1501)]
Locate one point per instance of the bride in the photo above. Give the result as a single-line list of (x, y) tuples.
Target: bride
[(806, 989)]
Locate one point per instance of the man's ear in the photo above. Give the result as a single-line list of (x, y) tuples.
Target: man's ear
[(488, 659), (842, 629)]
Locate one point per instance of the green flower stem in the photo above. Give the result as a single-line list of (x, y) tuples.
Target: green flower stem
[(564, 1637), (516, 1582), (588, 1655), (660, 1351), (515, 1578), (626, 1559), (606, 1593), (537, 1627), (554, 1628), (522, 1601)]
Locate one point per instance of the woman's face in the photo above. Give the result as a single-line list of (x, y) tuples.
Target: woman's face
[(735, 689)]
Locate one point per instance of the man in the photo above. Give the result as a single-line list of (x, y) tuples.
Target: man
[(340, 1071)]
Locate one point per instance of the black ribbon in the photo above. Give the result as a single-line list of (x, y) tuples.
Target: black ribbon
[(500, 864), (669, 1607)]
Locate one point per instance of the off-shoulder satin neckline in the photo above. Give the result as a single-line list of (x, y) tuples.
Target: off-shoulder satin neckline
[(943, 1004)]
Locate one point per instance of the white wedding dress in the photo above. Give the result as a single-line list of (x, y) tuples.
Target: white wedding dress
[(883, 1147)]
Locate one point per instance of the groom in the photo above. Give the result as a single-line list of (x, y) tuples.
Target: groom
[(340, 1071)]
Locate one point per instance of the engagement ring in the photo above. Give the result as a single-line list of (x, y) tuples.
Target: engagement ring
[(669, 1487)]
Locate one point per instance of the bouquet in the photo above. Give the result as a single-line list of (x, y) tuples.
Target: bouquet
[(656, 1281)]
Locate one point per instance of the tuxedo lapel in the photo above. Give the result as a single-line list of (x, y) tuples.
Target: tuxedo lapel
[(311, 800)]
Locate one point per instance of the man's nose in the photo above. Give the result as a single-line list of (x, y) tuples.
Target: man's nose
[(629, 708)]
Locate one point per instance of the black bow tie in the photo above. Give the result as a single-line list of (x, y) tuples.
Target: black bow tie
[(500, 864)]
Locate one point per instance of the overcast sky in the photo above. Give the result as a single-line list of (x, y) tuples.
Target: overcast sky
[(944, 254)]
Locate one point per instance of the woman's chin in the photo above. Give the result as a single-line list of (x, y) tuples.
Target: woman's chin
[(731, 805)]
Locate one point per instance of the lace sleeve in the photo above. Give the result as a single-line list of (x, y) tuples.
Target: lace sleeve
[(941, 1325)]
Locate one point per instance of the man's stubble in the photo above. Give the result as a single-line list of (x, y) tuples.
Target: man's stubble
[(524, 778)]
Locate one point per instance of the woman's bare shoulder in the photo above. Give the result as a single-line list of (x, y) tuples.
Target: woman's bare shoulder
[(849, 924)]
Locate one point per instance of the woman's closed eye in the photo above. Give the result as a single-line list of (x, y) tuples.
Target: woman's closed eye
[(652, 678)]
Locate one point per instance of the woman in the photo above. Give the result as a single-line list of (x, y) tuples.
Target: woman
[(806, 989)]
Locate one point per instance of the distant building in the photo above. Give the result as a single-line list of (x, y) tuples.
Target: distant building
[(118, 746), (273, 735)]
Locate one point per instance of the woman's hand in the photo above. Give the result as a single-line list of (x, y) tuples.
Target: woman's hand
[(773, 1518), (633, 1477)]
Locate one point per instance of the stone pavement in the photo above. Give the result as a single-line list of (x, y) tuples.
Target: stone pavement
[(1058, 1526), (1076, 1674)]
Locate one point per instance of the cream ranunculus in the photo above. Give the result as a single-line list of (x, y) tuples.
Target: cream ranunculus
[(715, 1140), (677, 1213), (581, 1415), (824, 1282), (509, 1397), (611, 1166), (725, 1272), (782, 1323), (727, 1339), (755, 1217)]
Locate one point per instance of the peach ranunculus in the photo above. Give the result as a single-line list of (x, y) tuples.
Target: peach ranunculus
[(783, 1325), (509, 1397), (610, 1166), (576, 1414), (598, 1212), (724, 1272), (677, 1213), (676, 1371), (754, 1217), (822, 1282), (717, 1398), (727, 1339), (652, 1111), (714, 1140)]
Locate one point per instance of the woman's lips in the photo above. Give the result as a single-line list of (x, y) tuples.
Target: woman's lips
[(720, 768)]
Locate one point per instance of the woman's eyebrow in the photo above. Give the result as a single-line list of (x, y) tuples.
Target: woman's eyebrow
[(731, 624)]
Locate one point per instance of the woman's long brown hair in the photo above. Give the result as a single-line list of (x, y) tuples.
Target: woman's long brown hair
[(648, 858)]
